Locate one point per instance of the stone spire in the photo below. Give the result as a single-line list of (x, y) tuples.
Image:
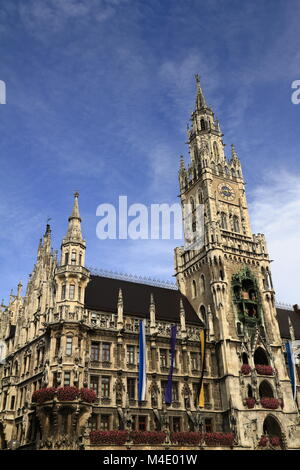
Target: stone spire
[(234, 157), (120, 310), (200, 100), (74, 227)]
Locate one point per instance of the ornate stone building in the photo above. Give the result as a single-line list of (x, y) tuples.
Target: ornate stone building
[(76, 328)]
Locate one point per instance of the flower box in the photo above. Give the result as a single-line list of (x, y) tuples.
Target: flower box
[(186, 438), (87, 395), (64, 394), (147, 437), (219, 439), (108, 437), (263, 441), (67, 393), (250, 402), (245, 369), (270, 403), (44, 394), (275, 441), (264, 369)]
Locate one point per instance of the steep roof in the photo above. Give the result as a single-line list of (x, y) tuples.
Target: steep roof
[(102, 294), (283, 316)]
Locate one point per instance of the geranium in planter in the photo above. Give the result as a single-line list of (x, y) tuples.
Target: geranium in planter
[(186, 438), (245, 369), (219, 439), (87, 395), (147, 437), (275, 441), (250, 402), (264, 369), (67, 393), (108, 437), (44, 394), (270, 403), (263, 441)]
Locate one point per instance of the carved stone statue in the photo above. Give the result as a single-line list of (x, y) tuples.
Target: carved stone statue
[(154, 391), (119, 388), (46, 374)]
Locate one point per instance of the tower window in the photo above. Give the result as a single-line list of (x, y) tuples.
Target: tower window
[(223, 221), (202, 283), (203, 125), (67, 258), (69, 345), (236, 225), (72, 291), (63, 292), (194, 289), (73, 257)]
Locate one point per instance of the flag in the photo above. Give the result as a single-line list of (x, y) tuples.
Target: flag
[(168, 391), (292, 350), (202, 349), (142, 362)]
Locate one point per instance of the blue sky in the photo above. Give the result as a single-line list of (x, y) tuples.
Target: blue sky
[(99, 94)]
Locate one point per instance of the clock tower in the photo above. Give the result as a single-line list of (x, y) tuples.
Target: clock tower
[(227, 279)]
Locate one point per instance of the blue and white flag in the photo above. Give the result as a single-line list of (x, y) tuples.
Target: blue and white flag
[(291, 363), (142, 362)]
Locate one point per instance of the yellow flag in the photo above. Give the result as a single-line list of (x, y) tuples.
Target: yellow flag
[(202, 349)]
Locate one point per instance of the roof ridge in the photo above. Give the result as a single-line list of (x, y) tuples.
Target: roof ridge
[(133, 278)]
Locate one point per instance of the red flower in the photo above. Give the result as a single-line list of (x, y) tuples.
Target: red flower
[(219, 438), (275, 441), (67, 393), (44, 394), (263, 441), (270, 403), (108, 437), (88, 395), (250, 402), (264, 370), (186, 438), (245, 369), (146, 437)]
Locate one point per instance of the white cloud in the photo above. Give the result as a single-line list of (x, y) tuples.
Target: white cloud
[(275, 210)]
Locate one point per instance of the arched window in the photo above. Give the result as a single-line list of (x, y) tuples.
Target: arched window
[(194, 289), (216, 151), (223, 221), (260, 357), (63, 292), (203, 125), (71, 291), (236, 225), (73, 257), (233, 173), (202, 283), (67, 258), (203, 313), (265, 390), (200, 197), (249, 391), (80, 259), (192, 203), (245, 358)]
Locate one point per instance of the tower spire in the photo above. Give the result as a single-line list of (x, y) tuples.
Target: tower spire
[(74, 227), (200, 100)]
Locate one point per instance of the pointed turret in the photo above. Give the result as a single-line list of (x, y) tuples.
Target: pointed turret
[(152, 315), (120, 310), (200, 100), (74, 227)]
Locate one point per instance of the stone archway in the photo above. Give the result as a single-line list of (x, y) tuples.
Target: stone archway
[(272, 428)]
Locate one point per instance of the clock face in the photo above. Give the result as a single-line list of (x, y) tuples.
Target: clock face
[(226, 191)]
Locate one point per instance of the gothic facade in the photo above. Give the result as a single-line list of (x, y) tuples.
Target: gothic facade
[(77, 330)]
